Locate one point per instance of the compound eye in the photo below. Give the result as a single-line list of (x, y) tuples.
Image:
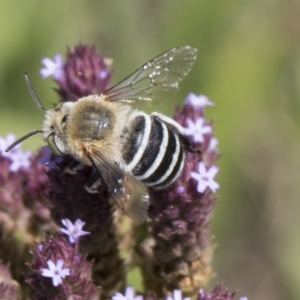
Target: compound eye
[(64, 120), (52, 142)]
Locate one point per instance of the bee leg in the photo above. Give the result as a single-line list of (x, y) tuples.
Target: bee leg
[(73, 167), (93, 183)]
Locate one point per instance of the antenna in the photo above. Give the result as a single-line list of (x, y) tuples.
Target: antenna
[(39, 105), (26, 136), (33, 94)]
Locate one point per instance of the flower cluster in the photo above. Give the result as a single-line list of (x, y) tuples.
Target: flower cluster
[(84, 259), (83, 73), (74, 231), (218, 293), (59, 271), (179, 217), (24, 214), (18, 158)]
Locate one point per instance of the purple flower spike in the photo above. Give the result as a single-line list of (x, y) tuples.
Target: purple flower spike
[(84, 73), (70, 273), (70, 200), (74, 231), (179, 216), (55, 271), (24, 213)]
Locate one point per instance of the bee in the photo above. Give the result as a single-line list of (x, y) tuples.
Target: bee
[(129, 149)]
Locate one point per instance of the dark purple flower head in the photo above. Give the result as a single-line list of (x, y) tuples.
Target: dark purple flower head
[(70, 200), (60, 272), (83, 73)]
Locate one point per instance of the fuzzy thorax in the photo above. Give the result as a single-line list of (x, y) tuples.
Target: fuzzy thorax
[(90, 123)]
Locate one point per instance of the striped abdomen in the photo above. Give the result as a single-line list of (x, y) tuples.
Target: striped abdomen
[(153, 153)]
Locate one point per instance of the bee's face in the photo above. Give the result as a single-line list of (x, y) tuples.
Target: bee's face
[(54, 128)]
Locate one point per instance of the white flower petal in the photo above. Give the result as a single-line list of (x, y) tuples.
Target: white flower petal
[(74, 231), (51, 265), (59, 264), (63, 230), (47, 273), (213, 170), (129, 292), (65, 272), (52, 67), (202, 169), (118, 296), (205, 178), (202, 185), (198, 101), (56, 280), (212, 146), (177, 295), (55, 271), (213, 186), (129, 295)]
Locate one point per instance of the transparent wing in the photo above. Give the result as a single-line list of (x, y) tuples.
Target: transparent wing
[(155, 78), (129, 194)]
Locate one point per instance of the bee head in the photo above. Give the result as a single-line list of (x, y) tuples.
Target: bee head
[(51, 131), (54, 127)]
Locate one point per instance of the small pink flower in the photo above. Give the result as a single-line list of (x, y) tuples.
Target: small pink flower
[(52, 67), (177, 295), (128, 295), (55, 271), (19, 159), (74, 231), (197, 129), (205, 178), (198, 101)]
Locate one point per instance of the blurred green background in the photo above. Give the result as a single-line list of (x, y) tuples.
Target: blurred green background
[(248, 64)]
